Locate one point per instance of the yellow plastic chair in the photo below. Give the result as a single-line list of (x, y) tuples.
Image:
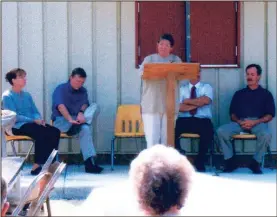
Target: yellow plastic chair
[(128, 124), (193, 136)]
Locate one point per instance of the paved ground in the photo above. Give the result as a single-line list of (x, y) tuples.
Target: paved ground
[(237, 194)]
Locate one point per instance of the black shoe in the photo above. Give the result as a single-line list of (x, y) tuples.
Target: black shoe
[(73, 130), (200, 166), (36, 171), (26, 206), (92, 168), (255, 167), (230, 165)]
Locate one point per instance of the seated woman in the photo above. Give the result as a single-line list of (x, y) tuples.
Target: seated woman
[(28, 119), (161, 178)]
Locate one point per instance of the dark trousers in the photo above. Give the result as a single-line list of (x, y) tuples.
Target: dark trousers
[(201, 126), (46, 139)]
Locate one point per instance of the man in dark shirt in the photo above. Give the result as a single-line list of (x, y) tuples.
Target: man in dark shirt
[(251, 108), (72, 114)]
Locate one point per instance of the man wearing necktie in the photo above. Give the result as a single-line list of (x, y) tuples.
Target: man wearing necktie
[(195, 115)]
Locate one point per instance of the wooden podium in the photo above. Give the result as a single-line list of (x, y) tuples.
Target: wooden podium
[(171, 72)]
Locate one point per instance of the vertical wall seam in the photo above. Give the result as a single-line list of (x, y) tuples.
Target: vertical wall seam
[(94, 69), (217, 97), (69, 37), (266, 42), (19, 23), (118, 58), (18, 35), (43, 8), (242, 44), (93, 53), (118, 50), (69, 52)]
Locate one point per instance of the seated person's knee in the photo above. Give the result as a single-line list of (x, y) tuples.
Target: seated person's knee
[(85, 128)]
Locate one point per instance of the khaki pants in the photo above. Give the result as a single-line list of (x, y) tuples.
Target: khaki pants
[(226, 132)]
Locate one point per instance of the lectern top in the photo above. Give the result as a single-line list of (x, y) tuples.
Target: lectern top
[(157, 71)]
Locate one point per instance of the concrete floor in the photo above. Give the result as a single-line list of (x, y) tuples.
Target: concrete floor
[(237, 194)]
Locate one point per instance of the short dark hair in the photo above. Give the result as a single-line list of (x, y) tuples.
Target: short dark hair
[(79, 71), (3, 191), (13, 73), (161, 178), (257, 66), (168, 37)]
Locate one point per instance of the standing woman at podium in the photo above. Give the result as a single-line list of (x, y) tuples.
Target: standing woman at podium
[(153, 97)]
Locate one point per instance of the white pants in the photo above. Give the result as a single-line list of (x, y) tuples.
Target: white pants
[(155, 128)]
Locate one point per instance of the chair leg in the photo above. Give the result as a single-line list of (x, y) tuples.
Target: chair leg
[(112, 153), (211, 155), (270, 156), (48, 206), (29, 151), (234, 148), (13, 147), (263, 161)]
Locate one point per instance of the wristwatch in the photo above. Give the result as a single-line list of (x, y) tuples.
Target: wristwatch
[(81, 111)]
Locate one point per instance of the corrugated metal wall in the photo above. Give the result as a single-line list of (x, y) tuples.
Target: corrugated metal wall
[(49, 39)]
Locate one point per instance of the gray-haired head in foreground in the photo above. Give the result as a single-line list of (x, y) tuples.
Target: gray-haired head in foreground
[(161, 178)]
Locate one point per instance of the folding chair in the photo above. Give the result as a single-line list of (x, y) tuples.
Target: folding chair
[(39, 190), (49, 160), (48, 167), (194, 136), (21, 167), (243, 138), (31, 194), (12, 139), (57, 169), (128, 124)]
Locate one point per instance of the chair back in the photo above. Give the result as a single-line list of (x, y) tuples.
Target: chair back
[(49, 160), (39, 190), (32, 193), (128, 120), (47, 187)]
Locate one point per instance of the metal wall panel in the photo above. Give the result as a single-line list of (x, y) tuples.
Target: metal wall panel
[(49, 39), (55, 47)]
